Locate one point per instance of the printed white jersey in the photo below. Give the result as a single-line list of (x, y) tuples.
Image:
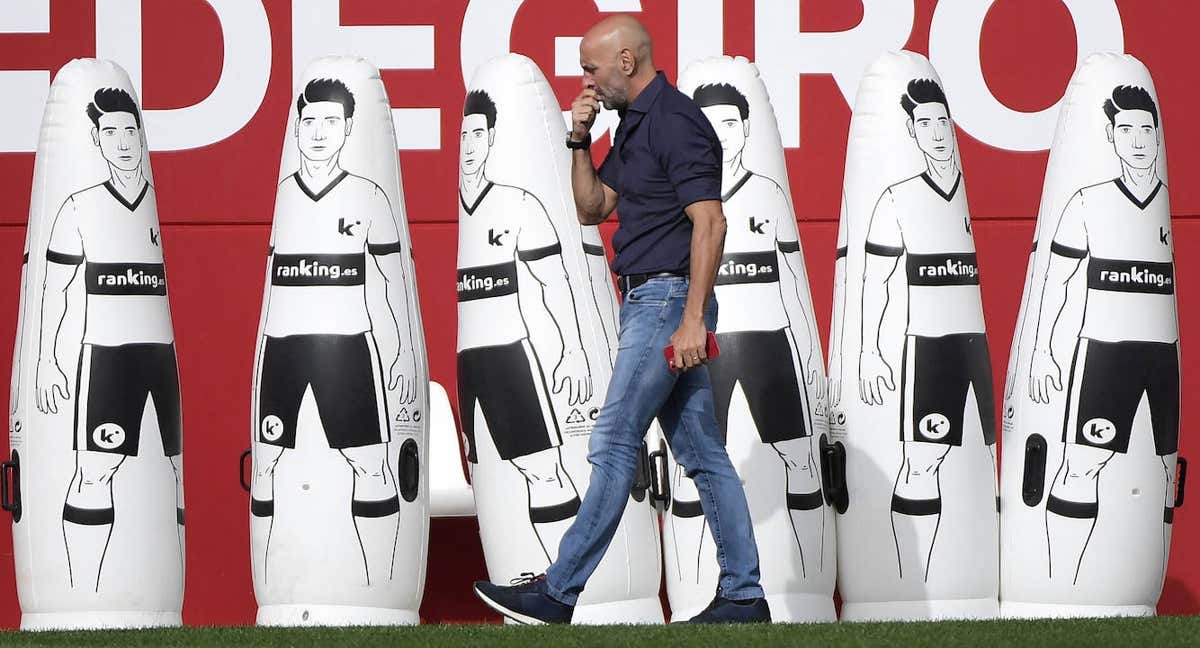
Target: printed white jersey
[(118, 244), (1129, 261), (319, 246), (759, 225), (502, 226), (931, 229)]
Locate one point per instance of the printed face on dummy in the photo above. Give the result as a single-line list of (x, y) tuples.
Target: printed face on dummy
[(931, 127), (475, 144), (730, 127), (1134, 137), (322, 129), (120, 140)]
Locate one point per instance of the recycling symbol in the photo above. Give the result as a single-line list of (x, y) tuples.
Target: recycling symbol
[(403, 416), (576, 416)]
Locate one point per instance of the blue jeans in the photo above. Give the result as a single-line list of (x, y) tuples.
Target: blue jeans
[(642, 387)]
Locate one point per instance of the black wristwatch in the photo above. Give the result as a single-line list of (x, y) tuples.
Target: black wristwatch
[(580, 145)]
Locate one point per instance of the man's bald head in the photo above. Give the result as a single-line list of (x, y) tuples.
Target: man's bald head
[(617, 57)]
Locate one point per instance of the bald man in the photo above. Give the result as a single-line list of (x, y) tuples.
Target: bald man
[(664, 175)]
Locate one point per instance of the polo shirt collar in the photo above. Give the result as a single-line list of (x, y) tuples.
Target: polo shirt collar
[(649, 94)]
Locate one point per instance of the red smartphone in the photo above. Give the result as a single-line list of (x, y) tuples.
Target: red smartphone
[(710, 349)]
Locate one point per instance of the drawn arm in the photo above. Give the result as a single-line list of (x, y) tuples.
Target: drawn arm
[(63, 258), (539, 249), (383, 243), (838, 325), (804, 330), (884, 247), (1068, 249)]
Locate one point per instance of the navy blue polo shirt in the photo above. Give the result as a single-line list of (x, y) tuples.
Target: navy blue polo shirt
[(665, 156)]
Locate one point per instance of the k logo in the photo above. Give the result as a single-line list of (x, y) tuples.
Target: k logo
[(494, 238), (347, 229), (934, 427), (154, 237), (1164, 236), (108, 436), (757, 227), (272, 428), (1099, 431)]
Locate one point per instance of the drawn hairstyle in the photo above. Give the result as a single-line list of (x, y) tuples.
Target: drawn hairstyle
[(1127, 97), (108, 100), (479, 103), (326, 90), (722, 94), (921, 91)]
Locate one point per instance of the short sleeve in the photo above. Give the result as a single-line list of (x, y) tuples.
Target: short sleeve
[(690, 154), (66, 242), (884, 237), (610, 168), (787, 236), (537, 238), (382, 235), (1070, 239)]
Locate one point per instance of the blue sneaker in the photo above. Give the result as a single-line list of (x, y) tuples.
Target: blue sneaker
[(723, 610), (525, 600)]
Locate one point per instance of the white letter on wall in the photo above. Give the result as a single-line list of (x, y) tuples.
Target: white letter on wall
[(784, 53), (26, 90), (246, 42), (317, 31), (954, 35)]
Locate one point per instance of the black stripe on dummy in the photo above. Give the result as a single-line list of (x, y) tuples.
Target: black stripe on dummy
[(540, 253), (906, 506), (789, 246), (555, 513), (1066, 250), (805, 501), (87, 517), (748, 268), (375, 509), (841, 252), (179, 516), (125, 279), (884, 250), (594, 250), (1146, 277), (942, 269), (383, 249), (63, 259), (1076, 510), (482, 282), (262, 508), (1168, 515), (686, 508), (318, 270)]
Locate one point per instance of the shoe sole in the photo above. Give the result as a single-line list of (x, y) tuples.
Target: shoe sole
[(515, 616)]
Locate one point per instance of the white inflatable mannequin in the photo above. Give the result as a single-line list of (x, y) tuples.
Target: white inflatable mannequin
[(533, 356), (1092, 397), (339, 498), (769, 380), (95, 410), (913, 389)]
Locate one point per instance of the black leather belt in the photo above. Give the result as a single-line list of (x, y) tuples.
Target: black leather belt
[(628, 282)]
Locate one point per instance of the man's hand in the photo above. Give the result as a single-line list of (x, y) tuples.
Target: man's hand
[(583, 114), (50, 380), (403, 374), (689, 340), (572, 373), (874, 375), (1044, 374)]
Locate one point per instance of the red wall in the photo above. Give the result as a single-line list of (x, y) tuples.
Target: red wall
[(216, 202)]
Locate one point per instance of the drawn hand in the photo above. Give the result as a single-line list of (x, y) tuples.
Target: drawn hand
[(572, 373), (50, 381), (874, 375), (835, 379), (403, 375), (1044, 374)]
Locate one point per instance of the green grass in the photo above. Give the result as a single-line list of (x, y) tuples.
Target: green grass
[(1126, 633)]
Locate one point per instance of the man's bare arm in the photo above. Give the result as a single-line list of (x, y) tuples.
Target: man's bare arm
[(708, 243), (594, 200)]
